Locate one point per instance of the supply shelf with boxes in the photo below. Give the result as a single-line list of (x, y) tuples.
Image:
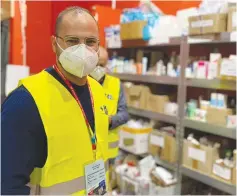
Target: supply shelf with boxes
[(191, 134)]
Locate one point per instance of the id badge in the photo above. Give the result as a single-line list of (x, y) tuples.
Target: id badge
[(95, 178)]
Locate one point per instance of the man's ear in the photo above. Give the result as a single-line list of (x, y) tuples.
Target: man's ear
[(53, 42)]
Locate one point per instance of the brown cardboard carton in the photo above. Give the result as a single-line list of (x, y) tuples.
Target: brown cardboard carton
[(132, 30), (234, 169), (206, 24), (7, 9), (162, 145), (218, 116), (231, 26), (138, 96), (194, 28), (156, 103), (222, 172), (126, 92), (199, 157)]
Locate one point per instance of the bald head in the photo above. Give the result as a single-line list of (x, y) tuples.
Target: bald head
[(73, 11), (103, 59)]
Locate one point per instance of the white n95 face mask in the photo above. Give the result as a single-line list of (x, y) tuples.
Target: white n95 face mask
[(98, 73), (78, 60)]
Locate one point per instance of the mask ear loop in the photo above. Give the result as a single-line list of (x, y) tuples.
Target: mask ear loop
[(58, 44)]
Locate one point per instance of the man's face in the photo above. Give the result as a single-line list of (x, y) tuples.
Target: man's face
[(76, 28)]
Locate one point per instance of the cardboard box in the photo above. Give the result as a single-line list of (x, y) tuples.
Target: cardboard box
[(231, 26), (7, 9), (199, 157), (222, 172), (134, 140), (156, 103), (162, 145), (138, 95), (132, 30), (218, 116), (127, 92), (207, 24), (234, 169)]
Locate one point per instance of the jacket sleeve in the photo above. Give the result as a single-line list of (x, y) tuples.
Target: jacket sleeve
[(23, 142), (122, 115)]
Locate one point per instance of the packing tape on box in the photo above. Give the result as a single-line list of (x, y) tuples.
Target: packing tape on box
[(136, 131), (195, 162)]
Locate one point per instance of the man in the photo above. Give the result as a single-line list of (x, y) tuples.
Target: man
[(116, 102), (55, 122)]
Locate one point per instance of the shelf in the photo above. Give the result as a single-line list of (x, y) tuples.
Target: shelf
[(158, 161), (147, 78), (228, 188), (212, 84), (152, 115), (210, 128), (165, 164), (129, 152), (218, 38), (140, 43)]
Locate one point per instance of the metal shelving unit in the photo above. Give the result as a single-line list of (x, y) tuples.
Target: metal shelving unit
[(153, 115), (228, 188), (212, 84), (210, 128), (147, 78), (181, 123)]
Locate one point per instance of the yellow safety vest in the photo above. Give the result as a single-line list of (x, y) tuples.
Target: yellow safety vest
[(68, 140), (111, 86)]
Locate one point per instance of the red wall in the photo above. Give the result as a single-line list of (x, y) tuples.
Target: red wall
[(38, 32)]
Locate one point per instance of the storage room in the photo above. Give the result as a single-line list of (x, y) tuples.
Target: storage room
[(118, 97)]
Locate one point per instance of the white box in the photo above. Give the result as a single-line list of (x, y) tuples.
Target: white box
[(134, 140)]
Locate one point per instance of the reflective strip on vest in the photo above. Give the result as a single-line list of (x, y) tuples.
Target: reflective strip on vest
[(113, 144), (64, 188)]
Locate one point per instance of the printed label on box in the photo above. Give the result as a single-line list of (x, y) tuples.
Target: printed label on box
[(197, 154), (202, 23), (234, 15), (157, 140), (228, 67), (222, 172)]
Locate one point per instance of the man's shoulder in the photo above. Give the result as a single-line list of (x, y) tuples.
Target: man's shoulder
[(18, 99)]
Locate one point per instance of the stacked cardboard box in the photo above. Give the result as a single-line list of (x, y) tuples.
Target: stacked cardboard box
[(218, 116), (162, 145), (207, 24), (139, 96), (232, 19), (199, 157), (134, 140), (132, 30)]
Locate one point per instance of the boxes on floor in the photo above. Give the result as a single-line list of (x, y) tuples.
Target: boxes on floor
[(162, 145), (156, 103), (132, 30), (218, 116), (138, 96), (134, 140), (231, 26), (206, 24), (199, 157)]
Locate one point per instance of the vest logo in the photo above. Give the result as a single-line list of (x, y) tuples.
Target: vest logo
[(104, 109), (109, 96)]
